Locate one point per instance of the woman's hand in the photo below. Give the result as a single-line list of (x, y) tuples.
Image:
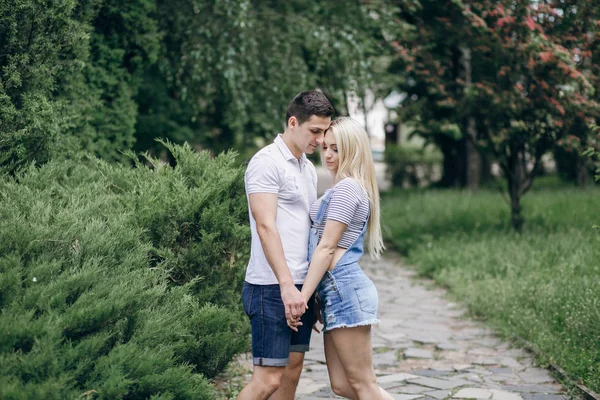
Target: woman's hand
[(294, 323)]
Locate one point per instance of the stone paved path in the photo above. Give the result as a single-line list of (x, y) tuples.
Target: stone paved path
[(425, 349)]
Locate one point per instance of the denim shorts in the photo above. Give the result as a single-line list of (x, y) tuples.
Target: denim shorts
[(272, 338), (348, 298)]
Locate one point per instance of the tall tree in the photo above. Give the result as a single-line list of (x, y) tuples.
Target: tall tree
[(436, 60), (70, 73), (105, 74), (124, 43), (528, 87), (34, 36), (576, 24), (230, 67), (500, 75)]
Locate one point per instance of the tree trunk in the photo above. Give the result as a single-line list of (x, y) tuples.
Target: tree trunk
[(486, 169), (472, 168), (583, 176), (365, 110), (472, 159), (450, 173), (515, 208), (515, 200), (514, 177), (346, 107)]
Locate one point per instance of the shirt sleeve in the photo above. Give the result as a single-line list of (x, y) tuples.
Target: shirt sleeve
[(262, 175), (344, 202)]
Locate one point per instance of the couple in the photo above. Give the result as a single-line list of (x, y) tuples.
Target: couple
[(301, 245)]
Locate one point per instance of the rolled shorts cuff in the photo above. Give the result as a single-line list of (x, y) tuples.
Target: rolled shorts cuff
[(271, 362), (299, 348)]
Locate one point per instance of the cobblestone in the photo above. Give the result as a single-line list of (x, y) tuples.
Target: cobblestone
[(463, 358)]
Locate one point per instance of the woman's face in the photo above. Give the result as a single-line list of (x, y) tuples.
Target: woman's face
[(330, 153)]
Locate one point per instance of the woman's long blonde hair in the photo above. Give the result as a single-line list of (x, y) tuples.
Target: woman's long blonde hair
[(356, 162)]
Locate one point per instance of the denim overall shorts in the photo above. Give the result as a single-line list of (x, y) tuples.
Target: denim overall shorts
[(348, 297)]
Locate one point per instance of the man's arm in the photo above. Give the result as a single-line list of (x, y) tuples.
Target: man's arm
[(263, 207)]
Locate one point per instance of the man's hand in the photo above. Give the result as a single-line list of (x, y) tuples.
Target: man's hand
[(293, 301)]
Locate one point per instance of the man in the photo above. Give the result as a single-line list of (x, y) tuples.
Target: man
[(281, 184)]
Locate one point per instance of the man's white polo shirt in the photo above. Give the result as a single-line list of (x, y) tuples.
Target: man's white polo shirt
[(274, 169)]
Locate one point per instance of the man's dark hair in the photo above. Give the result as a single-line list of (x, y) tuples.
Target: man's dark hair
[(307, 104)]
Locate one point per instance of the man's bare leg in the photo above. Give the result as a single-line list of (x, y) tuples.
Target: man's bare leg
[(291, 376), (265, 381)]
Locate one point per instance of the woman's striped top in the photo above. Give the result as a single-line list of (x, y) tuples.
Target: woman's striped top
[(348, 204)]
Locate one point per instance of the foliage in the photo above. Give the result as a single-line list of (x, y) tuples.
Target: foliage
[(540, 285), (572, 166), (70, 73), (411, 166), (119, 282), (124, 42), (428, 64), (513, 71), (35, 37), (230, 68), (541, 90), (108, 75), (593, 151), (573, 163)]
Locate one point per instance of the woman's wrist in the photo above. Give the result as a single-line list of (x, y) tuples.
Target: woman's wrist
[(306, 296)]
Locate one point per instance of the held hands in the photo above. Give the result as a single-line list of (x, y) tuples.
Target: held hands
[(294, 323), (294, 304)]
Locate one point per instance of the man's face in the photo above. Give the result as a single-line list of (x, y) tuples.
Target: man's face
[(309, 135)]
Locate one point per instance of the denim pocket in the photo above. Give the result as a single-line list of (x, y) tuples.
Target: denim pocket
[(329, 289), (367, 297), (313, 239), (247, 299)]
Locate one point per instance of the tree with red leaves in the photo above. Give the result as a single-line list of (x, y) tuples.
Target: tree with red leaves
[(530, 90), (510, 77)]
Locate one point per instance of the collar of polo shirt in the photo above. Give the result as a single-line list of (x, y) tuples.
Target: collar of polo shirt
[(287, 152)]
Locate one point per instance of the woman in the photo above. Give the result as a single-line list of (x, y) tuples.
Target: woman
[(348, 298)]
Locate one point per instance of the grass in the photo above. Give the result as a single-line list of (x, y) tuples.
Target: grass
[(543, 284), (229, 383)]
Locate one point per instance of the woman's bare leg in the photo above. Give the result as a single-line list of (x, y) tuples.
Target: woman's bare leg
[(350, 364)]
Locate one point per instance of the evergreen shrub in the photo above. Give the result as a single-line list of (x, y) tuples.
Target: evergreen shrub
[(120, 282)]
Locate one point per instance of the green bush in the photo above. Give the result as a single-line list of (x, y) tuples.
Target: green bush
[(33, 118), (120, 282), (593, 152), (411, 166), (541, 284), (70, 73)]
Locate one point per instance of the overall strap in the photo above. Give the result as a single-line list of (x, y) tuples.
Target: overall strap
[(356, 250), (323, 207), (362, 233)]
